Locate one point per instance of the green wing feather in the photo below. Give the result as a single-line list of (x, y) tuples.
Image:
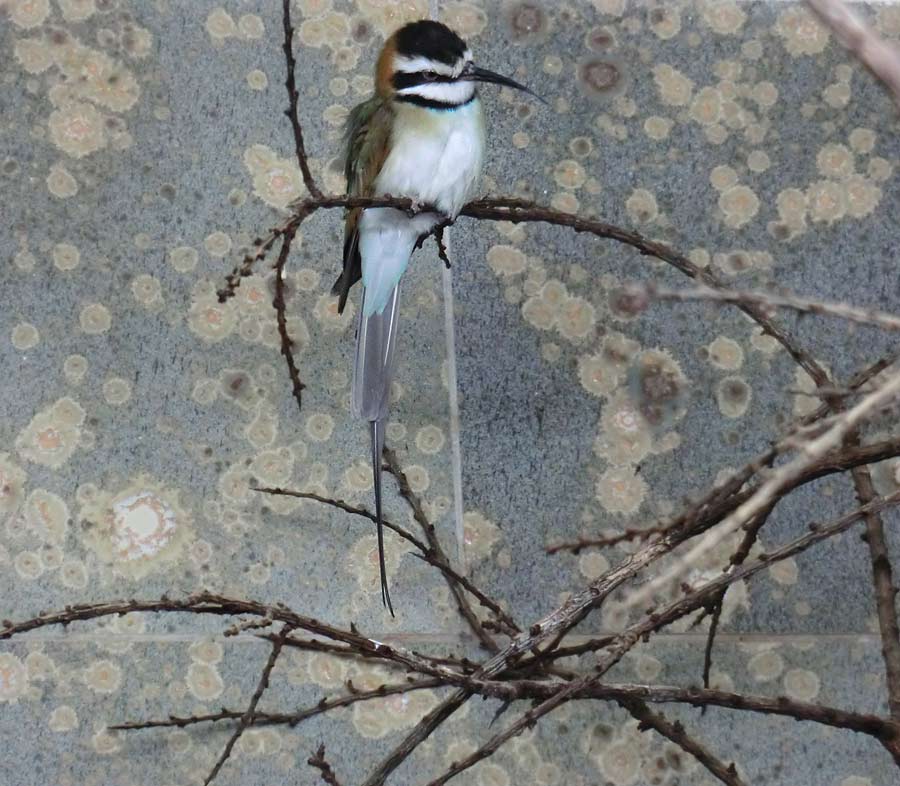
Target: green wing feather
[(366, 137)]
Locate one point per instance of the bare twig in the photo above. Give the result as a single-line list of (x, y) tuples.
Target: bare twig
[(774, 485), (647, 719), (283, 718), (247, 718), (885, 591), (883, 729), (881, 57), (292, 110), (769, 300), (426, 552), (287, 343), (415, 504), (326, 773)]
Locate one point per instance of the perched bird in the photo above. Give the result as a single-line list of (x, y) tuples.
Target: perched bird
[(420, 136)]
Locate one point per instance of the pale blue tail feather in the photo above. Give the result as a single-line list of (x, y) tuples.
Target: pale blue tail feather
[(376, 431), (386, 240), (373, 372)]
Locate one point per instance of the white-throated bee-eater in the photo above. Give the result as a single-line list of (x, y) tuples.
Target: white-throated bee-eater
[(421, 136)]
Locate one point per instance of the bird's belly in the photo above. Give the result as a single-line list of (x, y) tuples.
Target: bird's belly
[(435, 156)]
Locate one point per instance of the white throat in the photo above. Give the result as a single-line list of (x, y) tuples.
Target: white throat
[(450, 93)]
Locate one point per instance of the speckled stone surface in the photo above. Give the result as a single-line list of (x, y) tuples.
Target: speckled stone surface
[(143, 148)]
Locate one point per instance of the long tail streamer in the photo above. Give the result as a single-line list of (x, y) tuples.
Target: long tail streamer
[(373, 372)]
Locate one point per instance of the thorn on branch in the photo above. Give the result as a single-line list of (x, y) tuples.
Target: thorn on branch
[(326, 772)]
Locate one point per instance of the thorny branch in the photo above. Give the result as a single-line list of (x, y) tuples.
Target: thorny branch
[(247, 718), (524, 666), (437, 559), (675, 732), (881, 57), (462, 602), (326, 772)]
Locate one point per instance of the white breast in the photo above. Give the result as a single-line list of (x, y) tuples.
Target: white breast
[(435, 156)]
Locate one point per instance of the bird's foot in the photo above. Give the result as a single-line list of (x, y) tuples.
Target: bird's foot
[(415, 207)]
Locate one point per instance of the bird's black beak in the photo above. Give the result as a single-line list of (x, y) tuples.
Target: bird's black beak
[(474, 73)]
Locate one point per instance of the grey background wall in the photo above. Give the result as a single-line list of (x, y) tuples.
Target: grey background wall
[(143, 148)]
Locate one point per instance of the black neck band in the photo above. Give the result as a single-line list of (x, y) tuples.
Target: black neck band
[(428, 103)]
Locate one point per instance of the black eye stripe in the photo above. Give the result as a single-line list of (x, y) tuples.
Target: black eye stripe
[(401, 79)]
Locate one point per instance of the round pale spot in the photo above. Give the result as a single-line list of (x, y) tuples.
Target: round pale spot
[(257, 80), (722, 177), (665, 22), (725, 353), (647, 668), (569, 174), (801, 684), (146, 289), (61, 183), (765, 94), (520, 140), (766, 666), (28, 566), (33, 55), (880, 169), (75, 367), (565, 202), (620, 763), (837, 95), (77, 128), (217, 244), (13, 678), (319, 427), (706, 108), (204, 681), (674, 88), (251, 26), (77, 10), (28, 13), (801, 32), (553, 65), (739, 204), (506, 260), (733, 396), (66, 256), (862, 140), (657, 128), (62, 719), (752, 50), (220, 25), (724, 17), (835, 160), (335, 115), (592, 564), (183, 259), (24, 261), (95, 319), (116, 390), (25, 336), (785, 571), (758, 161), (827, 201), (621, 490), (700, 257), (429, 439), (641, 206), (103, 676)]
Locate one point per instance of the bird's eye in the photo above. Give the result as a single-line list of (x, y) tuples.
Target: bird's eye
[(430, 76)]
